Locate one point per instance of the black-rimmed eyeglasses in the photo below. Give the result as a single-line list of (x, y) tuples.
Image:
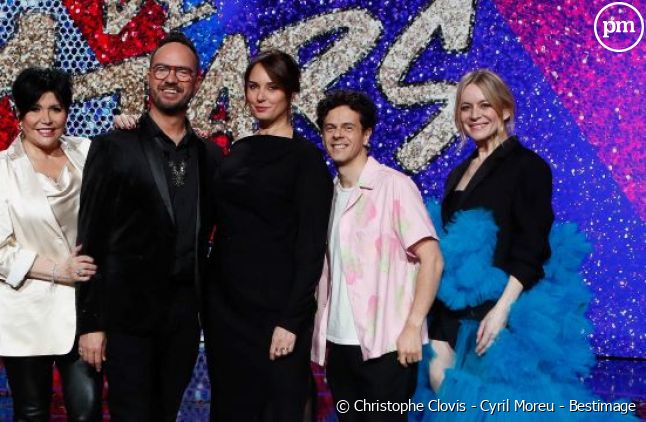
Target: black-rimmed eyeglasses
[(161, 72)]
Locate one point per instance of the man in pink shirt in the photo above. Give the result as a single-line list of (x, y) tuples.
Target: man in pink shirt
[(380, 275)]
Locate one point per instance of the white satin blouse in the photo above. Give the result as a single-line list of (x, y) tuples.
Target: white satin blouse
[(38, 216)]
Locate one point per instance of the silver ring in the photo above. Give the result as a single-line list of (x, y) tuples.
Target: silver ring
[(78, 272)]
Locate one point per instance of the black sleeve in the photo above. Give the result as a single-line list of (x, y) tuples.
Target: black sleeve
[(93, 226), (313, 201), (532, 219), (212, 162)]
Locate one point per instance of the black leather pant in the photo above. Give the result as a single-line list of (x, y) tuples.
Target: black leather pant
[(30, 381)]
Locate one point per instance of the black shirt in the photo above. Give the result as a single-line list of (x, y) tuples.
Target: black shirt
[(181, 169)]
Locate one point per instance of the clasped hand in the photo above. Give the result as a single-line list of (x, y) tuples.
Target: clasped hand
[(282, 343), (75, 268)]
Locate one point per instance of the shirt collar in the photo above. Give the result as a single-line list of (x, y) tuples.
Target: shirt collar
[(369, 174), (154, 130)]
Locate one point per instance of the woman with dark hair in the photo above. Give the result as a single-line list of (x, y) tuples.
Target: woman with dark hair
[(273, 197), (40, 175)]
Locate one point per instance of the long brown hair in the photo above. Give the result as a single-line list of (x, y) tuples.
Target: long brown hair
[(281, 68)]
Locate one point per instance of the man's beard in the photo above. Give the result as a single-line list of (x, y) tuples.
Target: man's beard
[(170, 109)]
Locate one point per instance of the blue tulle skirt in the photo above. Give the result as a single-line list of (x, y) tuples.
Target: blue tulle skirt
[(534, 370)]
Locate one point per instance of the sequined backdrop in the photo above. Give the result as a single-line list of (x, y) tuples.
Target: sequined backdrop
[(580, 105)]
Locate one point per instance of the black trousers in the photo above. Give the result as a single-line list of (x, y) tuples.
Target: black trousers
[(30, 380), (147, 375), (365, 383)]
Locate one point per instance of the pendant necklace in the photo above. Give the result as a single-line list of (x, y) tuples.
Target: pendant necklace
[(178, 172)]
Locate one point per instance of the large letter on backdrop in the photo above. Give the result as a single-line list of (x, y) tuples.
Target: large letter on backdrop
[(126, 78), (454, 19), (33, 45), (225, 77)]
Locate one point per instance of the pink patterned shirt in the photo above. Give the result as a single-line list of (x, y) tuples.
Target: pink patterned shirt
[(382, 220)]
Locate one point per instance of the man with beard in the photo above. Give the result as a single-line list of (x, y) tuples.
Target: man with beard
[(144, 218)]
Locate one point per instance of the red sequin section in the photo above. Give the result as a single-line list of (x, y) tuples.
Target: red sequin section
[(8, 123), (138, 37)]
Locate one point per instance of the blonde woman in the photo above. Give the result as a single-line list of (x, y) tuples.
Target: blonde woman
[(509, 325), (515, 185)]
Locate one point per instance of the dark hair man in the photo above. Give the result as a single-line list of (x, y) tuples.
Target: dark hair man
[(144, 218), (381, 271)]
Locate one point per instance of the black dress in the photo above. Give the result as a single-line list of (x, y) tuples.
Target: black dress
[(273, 198), (515, 184)]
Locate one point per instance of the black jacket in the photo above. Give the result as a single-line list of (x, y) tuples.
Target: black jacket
[(516, 185), (126, 224)]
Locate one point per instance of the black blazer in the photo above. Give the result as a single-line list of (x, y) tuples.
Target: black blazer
[(516, 185), (126, 223)]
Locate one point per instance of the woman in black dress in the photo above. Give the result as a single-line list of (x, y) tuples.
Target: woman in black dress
[(272, 195), (515, 184)]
